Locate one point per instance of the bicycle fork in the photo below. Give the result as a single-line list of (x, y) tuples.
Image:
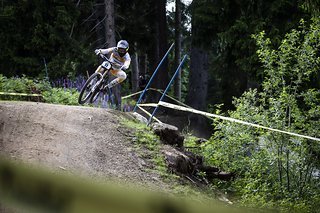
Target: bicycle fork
[(100, 81), (97, 84)]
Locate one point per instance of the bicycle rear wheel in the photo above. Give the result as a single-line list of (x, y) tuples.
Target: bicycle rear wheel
[(88, 88)]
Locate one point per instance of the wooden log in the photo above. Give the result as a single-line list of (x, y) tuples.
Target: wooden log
[(178, 162), (189, 164), (168, 134)]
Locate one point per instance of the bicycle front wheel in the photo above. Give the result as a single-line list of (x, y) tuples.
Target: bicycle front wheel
[(94, 95), (89, 88)]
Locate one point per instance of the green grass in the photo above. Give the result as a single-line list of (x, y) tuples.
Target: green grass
[(148, 146)]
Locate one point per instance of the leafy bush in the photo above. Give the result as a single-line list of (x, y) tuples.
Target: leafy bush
[(22, 85), (273, 169), (25, 85), (61, 96)]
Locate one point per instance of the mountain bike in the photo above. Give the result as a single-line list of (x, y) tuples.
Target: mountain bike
[(95, 84)]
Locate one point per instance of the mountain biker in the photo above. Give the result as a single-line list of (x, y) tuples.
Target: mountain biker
[(121, 58)]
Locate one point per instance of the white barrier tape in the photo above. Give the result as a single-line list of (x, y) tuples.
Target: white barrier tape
[(148, 105), (161, 92), (137, 93), (133, 94), (20, 94), (172, 106), (179, 102), (145, 111)]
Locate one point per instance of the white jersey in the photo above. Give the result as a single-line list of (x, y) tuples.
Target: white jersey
[(116, 58)]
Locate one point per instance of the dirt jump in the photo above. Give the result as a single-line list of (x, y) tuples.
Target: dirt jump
[(72, 139), (88, 142)]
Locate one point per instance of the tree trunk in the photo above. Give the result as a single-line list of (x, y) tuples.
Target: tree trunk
[(177, 55), (110, 27), (143, 65), (111, 42), (135, 73), (198, 79), (198, 86), (155, 59), (99, 15), (162, 78)]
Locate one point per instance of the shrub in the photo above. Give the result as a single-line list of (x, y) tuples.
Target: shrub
[(61, 96), (275, 169), (25, 85)]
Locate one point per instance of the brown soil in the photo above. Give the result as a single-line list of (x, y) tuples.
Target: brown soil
[(85, 141), (73, 139)]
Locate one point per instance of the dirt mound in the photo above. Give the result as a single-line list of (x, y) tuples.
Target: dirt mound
[(74, 139)]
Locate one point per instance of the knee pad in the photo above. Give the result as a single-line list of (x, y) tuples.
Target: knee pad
[(121, 75)]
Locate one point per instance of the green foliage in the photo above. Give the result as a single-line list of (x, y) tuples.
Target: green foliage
[(61, 96), (224, 29), (190, 143), (42, 87), (17, 85), (129, 101), (36, 33), (275, 169), (144, 138), (22, 85), (311, 6)]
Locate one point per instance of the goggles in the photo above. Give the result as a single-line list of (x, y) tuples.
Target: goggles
[(122, 50)]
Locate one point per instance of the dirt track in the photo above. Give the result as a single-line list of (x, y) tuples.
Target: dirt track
[(72, 139)]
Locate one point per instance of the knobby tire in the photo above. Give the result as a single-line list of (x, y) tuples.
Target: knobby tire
[(95, 95), (86, 89)]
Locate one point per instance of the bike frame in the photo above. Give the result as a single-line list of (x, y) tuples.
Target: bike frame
[(100, 74), (105, 72)]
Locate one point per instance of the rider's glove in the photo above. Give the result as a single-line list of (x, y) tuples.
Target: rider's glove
[(97, 51)]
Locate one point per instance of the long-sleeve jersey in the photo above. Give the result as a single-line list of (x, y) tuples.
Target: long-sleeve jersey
[(123, 62)]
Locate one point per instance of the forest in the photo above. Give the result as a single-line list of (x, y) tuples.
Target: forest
[(257, 61)]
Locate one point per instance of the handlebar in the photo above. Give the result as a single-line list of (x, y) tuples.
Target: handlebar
[(104, 57), (107, 59), (113, 64)]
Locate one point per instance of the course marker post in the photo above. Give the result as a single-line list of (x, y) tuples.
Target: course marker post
[(171, 81), (154, 73)]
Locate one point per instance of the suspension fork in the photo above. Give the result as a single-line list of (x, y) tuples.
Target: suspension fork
[(100, 69), (103, 73), (97, 83)]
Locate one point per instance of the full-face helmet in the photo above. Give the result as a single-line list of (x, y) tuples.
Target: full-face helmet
[(122, 47)]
